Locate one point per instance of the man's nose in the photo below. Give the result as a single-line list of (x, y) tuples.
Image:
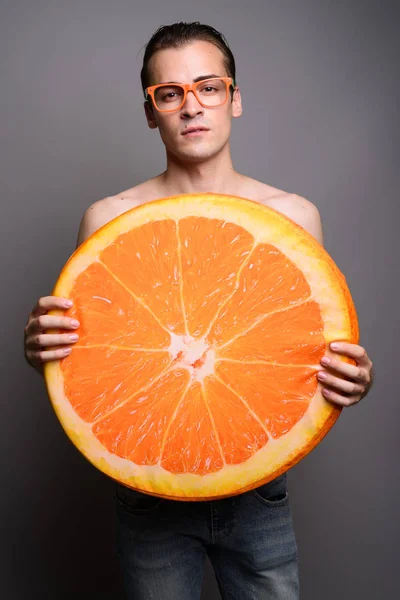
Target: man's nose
[(191, 105)]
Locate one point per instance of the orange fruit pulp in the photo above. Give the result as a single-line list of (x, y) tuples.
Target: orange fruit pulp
[(203, 319)]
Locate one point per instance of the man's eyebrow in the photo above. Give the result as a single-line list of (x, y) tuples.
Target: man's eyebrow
[(200, 78), (205, 77)]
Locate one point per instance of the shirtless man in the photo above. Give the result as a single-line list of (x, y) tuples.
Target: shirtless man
[(248, 538)]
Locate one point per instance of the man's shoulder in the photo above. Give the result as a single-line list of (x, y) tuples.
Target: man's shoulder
[(96, 215), (103, 211), (113, 206), (294, 206), (272, 196)]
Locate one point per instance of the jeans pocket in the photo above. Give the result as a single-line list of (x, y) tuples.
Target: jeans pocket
[(274, 493), (135, 502)]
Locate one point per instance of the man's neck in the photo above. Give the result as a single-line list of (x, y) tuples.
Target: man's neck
[(216, 175)]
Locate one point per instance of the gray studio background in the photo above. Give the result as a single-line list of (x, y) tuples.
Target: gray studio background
[(319, 82)]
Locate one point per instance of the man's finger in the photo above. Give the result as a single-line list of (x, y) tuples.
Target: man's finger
[(47, 303), (338, 398), (352, 350), (343, 368), (43, 340), (48, 355), (342, 385), (51, 322)]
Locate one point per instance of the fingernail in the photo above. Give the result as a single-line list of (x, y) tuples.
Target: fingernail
[(74, 337), (74, 323), (67, 350), (322, 375), (325, 360), (68, 303), (335, 346)]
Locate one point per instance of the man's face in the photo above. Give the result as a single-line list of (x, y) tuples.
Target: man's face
[(184, 65)]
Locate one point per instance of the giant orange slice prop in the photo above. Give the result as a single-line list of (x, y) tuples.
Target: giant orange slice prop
[(203, 321)]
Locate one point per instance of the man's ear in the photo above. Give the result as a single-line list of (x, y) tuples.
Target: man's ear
[(149, 110), (236, 103)]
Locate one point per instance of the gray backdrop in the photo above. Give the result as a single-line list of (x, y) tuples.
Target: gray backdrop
[(319, 82)]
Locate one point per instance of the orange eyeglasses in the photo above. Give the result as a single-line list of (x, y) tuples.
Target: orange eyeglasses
[(168, 97)]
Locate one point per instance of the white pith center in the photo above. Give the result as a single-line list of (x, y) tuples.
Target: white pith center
[(193, 354)]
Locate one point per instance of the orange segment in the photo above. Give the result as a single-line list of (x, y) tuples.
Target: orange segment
[(151, 411), (239, 431), (109, 313), (278, 395), (268, 282), (294, 336), (151, 252), (212, 251), (192, 445), (92, 397)]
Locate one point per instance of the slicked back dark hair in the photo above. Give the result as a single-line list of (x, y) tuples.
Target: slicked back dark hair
[(181, 34)]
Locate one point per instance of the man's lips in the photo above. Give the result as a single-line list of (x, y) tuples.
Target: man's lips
[(194, 130)]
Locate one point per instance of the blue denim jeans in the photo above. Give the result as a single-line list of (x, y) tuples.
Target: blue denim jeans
[(249, 539)]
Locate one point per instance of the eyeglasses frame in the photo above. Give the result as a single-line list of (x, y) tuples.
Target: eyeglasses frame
[(188, 87)]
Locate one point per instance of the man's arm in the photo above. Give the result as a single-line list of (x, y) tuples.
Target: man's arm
[(38, 344), (353, 382)]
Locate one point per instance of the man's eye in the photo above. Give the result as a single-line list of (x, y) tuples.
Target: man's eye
[(169, 96)]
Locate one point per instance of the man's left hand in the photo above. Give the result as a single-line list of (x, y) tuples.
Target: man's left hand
[(354, 381)]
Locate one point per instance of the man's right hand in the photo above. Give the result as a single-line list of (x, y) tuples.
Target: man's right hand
[(37, 345)]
